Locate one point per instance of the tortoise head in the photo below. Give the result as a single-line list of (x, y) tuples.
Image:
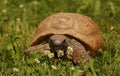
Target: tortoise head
[(58, 42)]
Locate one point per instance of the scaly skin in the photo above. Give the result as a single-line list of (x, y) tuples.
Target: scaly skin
[(79, 55), (39, 47), (61, 42)]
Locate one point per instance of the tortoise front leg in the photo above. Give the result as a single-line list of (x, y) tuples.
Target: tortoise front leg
[(80, 54), (39, 47)]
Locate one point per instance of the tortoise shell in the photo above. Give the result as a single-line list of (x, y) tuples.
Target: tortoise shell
[(77, 26)]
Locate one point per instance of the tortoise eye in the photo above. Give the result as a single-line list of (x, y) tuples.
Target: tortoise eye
[(64, 41), (50, 41)]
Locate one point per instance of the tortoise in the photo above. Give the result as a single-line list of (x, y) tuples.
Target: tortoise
[(61, 30)]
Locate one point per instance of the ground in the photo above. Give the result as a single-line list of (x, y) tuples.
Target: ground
[(19, 20)]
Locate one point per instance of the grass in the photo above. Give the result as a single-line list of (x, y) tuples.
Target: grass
[(18, 22)]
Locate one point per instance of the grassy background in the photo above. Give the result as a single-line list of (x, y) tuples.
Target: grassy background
[(18, 22)]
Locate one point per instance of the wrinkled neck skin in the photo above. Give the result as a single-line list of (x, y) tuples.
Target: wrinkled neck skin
[(58, 42)]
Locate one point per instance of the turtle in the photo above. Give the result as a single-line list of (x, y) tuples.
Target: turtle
[(62, 30)]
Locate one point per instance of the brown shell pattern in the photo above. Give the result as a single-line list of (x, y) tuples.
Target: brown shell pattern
[(76, 25)]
